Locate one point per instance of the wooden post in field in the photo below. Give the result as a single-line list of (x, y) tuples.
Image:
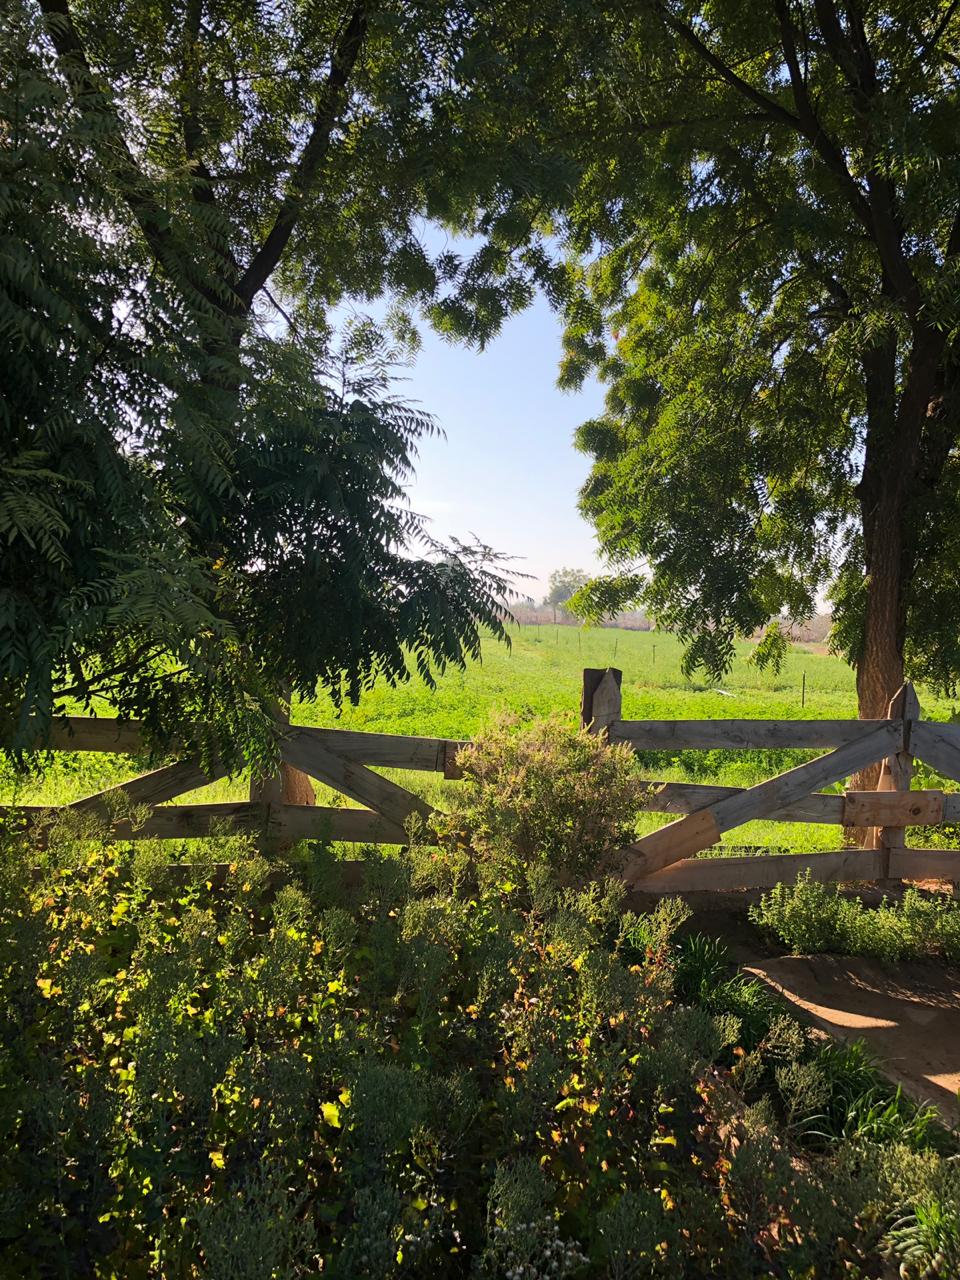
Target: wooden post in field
[(600, 701), (286, 786), (896, 773)]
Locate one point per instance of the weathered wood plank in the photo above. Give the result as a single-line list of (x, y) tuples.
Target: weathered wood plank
[(896, 774), (892, 810), (708, 735), (386, 750), (670, 843), (88, 733), (190, 821), (186, 821), (606, 704), (761, 872), (938, 745), (307, 753), (167, 822), (688, 797), (151, 788), (696, 832), (925, 864), (353, 826), (897, 771), (593, 677)]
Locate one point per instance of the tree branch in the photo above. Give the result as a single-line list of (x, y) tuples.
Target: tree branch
[(135, 188), (825, 147), (934, 38), (342, 64), (817, 270), (853, 57), (770, 106), (188, 102)]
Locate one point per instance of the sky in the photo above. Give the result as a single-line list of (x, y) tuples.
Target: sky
[(506, 469)]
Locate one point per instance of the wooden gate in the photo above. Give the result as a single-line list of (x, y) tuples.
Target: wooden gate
[(339, 758), (663, 862)]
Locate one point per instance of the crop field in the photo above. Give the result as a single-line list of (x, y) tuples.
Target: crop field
[(539, 674)]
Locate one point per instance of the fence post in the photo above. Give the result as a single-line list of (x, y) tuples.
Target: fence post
[(600, 699), (896, 774), (286, 786)]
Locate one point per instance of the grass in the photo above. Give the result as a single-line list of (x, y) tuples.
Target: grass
[(539, 675)]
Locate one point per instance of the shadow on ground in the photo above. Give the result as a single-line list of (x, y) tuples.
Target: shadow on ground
[(909, 1017)]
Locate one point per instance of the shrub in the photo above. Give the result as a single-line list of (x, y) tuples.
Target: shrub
[(541, 791), (244, 1083), (809, 917)]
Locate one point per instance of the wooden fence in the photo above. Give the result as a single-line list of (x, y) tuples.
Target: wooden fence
[(661, 862)]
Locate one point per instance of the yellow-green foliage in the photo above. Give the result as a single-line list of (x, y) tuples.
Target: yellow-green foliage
[(809, 917), (243, 1084)]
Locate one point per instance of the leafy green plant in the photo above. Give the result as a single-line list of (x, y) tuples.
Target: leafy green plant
[(809, 917), (702, 964), (926, 1241), (861, 1105)]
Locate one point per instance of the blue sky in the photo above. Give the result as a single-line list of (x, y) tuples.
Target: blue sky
[(506, 469)]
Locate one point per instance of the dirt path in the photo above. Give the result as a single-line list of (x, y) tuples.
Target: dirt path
[(909, 1017)]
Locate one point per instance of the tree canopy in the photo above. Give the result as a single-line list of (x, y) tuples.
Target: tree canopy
[(563, 583), (768, 262), (759, 205), (202, 495)]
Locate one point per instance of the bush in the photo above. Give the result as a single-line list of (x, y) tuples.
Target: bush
[(809, 918), (824, 1092), (249, 1084), (382, 1083), (542, 792)]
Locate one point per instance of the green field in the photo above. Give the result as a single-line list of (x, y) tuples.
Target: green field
[(539, 675)]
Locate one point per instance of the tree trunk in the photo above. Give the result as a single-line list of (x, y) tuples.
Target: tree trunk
[(882, 492), (296, 787), (886, 491)]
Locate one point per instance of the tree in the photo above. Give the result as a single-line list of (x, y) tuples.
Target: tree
[(202, 500), (562, 584), (774, 190)]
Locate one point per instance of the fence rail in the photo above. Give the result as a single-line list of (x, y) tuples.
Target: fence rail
[(663, 861)]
